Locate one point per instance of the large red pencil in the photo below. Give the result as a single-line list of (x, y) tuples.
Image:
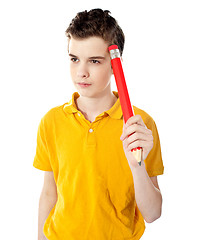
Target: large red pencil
[(125, 103)]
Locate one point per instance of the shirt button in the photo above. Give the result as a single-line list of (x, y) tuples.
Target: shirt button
[(79, 114), (90, 130)]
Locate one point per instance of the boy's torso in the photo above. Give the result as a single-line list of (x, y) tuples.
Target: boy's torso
[(92, 175)]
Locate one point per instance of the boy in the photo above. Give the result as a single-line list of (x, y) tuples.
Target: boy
[(94, 188)]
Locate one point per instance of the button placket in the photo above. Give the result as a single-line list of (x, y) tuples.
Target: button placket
[(91, 138)]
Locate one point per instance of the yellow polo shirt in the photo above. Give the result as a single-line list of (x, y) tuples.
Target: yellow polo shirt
[(96, 199)]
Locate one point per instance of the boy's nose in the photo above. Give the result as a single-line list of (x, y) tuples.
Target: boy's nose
[(82, 71)]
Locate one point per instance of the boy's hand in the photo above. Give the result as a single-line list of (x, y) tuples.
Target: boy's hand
[(135, 134)]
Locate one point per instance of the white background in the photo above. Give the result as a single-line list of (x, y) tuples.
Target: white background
[(160, 64)]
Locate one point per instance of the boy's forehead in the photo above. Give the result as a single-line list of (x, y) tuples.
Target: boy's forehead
[(92, 46)]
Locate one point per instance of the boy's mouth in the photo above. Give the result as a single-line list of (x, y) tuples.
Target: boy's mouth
[(84, 84)]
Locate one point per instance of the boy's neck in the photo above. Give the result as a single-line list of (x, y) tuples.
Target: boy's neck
[(92, 107)]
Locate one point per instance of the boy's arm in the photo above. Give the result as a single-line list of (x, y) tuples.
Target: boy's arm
[(147, 194), (47, 201)]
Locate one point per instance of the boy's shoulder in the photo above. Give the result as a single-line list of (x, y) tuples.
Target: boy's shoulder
[(61, 110), (148, 120), (54, 113)]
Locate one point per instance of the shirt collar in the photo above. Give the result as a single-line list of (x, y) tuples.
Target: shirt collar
[(114, 112)]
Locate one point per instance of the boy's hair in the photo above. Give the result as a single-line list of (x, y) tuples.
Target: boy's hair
[(96, 23)]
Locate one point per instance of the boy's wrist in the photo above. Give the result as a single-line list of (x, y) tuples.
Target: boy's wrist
[(136, 167)]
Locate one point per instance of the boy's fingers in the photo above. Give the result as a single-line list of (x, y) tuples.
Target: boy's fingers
[(133, 124), (139, 136), (135, 119), (133, 129)]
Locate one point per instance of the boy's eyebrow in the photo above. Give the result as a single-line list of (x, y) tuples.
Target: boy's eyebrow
[(71, 55), (97, 57), (94, 57)]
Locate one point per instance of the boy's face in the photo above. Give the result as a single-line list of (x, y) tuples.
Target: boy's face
[(90, 63)]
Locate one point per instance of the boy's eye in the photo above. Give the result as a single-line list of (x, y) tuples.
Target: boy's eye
[(95, 61), (74, 59)]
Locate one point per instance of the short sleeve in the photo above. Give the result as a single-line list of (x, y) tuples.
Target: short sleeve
[(42, 158), (153, 162)]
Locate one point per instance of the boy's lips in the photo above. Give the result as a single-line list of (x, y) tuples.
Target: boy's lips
[(83, 84)]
